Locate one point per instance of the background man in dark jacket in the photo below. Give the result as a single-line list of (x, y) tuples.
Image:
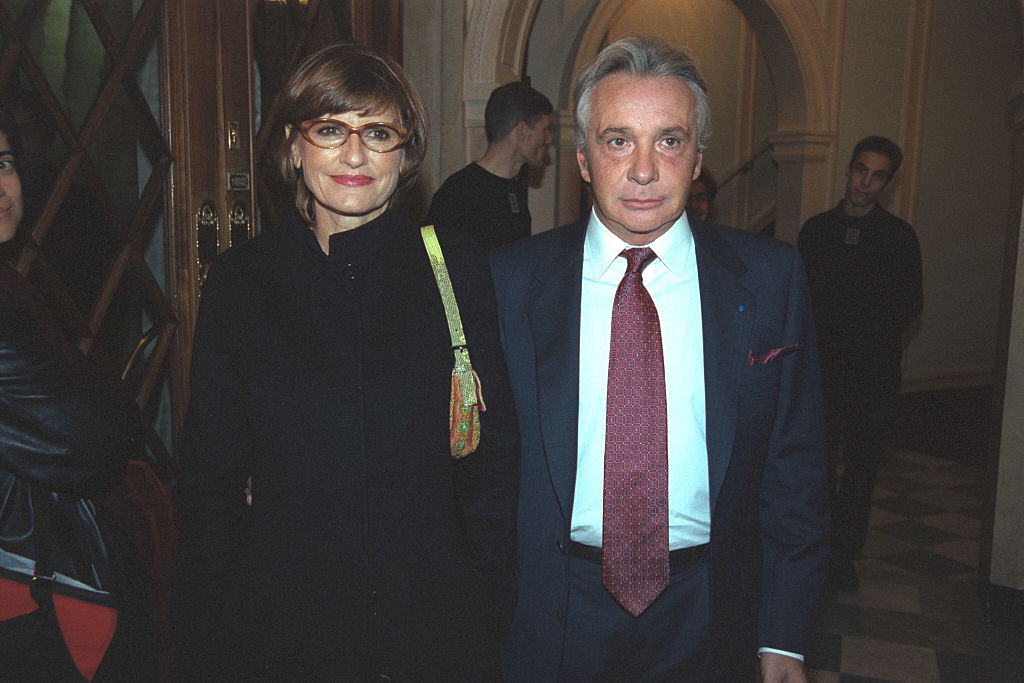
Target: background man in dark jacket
[(864, 271), (487, 198)]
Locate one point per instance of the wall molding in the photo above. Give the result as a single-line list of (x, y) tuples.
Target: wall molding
[(1004, 606), (969, 377), (835, 27), (912, 106), (793, 146), (496, 39), (746, 100)]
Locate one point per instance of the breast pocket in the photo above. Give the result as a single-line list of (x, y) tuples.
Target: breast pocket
[(764, 363)]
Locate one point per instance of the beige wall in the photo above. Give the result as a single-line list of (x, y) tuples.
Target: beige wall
[(872, 76), (964, 199), (433, 35), (1007, 566), (1007, 529)]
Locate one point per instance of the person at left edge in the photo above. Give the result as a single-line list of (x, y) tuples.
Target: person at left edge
[(65, 433), (322, 371)]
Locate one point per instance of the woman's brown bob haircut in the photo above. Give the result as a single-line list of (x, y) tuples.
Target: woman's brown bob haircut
[(346, 78)]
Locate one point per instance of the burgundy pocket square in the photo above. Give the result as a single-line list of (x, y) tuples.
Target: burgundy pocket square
[(754, 359)]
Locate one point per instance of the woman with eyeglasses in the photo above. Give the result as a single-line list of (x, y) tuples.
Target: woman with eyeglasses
[(329, 531)]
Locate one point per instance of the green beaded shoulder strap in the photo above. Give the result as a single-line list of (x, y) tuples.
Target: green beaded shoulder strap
[(463, 367)]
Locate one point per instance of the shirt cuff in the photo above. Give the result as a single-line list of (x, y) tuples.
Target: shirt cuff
[(762, 650)]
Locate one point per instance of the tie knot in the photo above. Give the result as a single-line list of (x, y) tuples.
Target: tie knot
[(638, 259)]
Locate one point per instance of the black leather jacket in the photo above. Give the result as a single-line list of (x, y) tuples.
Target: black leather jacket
[(57, 429)]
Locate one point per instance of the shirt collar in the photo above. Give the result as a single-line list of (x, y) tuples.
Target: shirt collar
[(673, 247)]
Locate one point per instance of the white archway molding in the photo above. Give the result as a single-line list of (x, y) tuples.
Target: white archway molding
[(495, 51), (792, 40), (496, 39), (792, 44)]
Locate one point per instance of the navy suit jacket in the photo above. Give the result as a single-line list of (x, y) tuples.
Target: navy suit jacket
[(767, 467)]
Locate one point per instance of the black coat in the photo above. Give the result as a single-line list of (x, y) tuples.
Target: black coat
[(59, 428), (65, 435), (864, 275), (366, 548), (492, 209)]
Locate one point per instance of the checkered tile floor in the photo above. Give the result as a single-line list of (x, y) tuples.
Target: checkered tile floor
[(917, 615)]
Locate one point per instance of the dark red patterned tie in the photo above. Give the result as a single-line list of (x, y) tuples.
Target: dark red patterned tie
[(635, 553)]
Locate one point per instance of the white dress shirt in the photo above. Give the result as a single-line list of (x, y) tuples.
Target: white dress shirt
[(671, 280)]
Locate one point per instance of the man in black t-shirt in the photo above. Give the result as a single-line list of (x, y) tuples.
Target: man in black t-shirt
[(864, 273), (487, 198)]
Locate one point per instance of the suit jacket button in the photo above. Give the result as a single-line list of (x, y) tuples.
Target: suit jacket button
[(351, 272), (561, 547)]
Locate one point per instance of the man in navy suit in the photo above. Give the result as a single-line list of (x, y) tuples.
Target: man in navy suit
[(745, 522)]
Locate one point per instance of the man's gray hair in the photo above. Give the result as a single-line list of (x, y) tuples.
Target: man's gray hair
[(641, 56)]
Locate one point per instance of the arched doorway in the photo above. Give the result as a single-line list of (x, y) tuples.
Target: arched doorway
[(504, 35)]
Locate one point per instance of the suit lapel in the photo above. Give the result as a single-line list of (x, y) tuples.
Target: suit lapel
[(727, 314), (555, 320)]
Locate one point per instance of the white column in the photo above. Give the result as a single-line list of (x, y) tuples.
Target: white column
[(1007, 561), (802, 190)]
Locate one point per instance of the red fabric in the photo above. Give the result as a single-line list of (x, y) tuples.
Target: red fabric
[(87, 629), (15, 599), (634, 564), (141, 507), (754, 359), (144, 512)]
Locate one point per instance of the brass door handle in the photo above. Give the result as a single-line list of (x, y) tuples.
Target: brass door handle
[(207, 238), (239, 223)]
